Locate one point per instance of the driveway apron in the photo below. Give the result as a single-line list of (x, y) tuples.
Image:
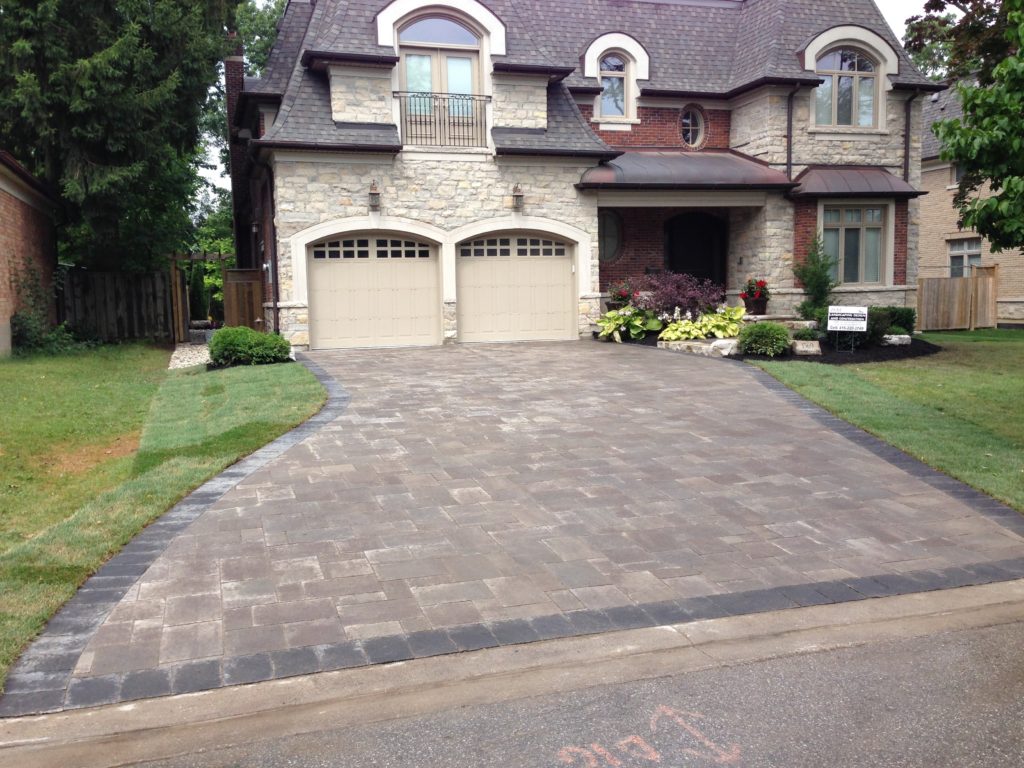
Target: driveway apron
[(479, 495)]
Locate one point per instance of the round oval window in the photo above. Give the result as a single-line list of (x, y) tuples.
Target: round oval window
[(693, 127), (609, 232)]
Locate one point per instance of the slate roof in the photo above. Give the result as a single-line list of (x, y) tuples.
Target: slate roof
[(567, 132), (708, 47), (938, 106)]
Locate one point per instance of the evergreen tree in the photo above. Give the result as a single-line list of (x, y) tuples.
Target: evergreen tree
[(102, 99)]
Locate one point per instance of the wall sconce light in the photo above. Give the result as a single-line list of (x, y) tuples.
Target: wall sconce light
[(374, 196), (518, 198)]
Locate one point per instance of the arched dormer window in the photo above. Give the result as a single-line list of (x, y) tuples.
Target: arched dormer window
[(440, 79), (848, 94), (615, 84)]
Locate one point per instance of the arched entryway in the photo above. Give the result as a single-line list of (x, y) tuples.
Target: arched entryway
[(696, 243)]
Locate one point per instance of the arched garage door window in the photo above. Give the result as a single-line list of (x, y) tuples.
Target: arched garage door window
[(516, 286), (373, 289)]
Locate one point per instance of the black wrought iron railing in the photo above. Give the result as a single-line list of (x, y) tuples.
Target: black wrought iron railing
[(443, 119)]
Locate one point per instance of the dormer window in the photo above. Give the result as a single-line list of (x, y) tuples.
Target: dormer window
[(848, 94), (614, 81)]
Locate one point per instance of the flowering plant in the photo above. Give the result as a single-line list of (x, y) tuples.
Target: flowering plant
[(622, 290), (723, 323), (628, 320), (755, 289)]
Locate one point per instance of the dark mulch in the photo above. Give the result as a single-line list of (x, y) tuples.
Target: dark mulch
[(650, 340), (831, 356)]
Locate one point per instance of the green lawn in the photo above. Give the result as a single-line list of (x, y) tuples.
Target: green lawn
[(95, 446), (961, 410)]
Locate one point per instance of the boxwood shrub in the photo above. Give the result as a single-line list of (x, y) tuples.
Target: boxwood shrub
[(244, 346), (768, 339)]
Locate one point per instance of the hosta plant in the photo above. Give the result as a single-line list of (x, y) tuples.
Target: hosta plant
[(724, 323), (627, 321)]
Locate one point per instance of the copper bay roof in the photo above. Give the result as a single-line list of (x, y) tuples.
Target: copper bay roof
[(684, 170), (852, 181)]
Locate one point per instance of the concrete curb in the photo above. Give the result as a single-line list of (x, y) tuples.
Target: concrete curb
[(125, 734)]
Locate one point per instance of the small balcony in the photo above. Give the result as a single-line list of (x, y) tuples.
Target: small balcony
[(443, 119)]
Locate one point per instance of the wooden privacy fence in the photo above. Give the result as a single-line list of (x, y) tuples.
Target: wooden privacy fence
[(116, 306), (952, 303), (243, 297)]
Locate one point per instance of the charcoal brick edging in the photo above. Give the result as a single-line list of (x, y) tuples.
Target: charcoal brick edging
[(204, 675), (41, 680)]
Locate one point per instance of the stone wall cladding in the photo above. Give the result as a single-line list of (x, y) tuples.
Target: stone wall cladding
[(448, 194), (361, 95), (519, 103), (27, 246), (662, 127)]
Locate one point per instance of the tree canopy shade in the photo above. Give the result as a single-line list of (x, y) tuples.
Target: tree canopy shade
[(959, 38), (986, 144), (102, 99)]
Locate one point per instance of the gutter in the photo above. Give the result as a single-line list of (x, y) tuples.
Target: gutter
[(789, 130), (906, 135), (682, 186), (275, 298)]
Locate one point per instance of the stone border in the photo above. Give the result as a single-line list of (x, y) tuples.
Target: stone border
[(40, 679)]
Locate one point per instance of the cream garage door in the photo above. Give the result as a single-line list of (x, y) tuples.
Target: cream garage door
[(373, 290), (516, 287)]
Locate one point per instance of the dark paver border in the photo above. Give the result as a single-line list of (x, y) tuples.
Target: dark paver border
[(41, 680)]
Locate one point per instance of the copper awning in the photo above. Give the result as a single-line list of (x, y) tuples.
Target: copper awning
[(852, 181), (711, 170)]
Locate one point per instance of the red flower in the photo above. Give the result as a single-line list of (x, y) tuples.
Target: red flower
[(761, 283), (757, 295), (744, 295)]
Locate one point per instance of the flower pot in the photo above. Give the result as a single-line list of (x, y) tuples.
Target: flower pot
[(612, 305), (756, 306)]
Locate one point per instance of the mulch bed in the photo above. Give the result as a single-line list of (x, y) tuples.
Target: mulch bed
[(830, 356)]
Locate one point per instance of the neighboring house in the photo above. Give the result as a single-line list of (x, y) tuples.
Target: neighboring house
[(947, 250), (416, 171), (28, 251)]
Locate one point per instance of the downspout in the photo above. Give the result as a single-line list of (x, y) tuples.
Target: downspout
[(789, 131), (275, 295), (906, 135)]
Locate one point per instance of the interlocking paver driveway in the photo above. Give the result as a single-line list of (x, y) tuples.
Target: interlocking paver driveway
[(472, 484)]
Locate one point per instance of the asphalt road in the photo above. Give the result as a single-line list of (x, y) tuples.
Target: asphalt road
[(953, 699)]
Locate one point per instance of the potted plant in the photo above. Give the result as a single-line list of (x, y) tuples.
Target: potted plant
[(620, 294), (755, 296)]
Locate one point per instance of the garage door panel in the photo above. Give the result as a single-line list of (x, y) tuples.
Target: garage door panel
[(515, 297), (375, 301)]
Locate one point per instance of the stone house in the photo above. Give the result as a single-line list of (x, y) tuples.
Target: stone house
[(946, 249), (28, 249), (418, 171)]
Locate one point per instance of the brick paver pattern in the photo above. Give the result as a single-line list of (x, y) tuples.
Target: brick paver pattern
[(470, 484)]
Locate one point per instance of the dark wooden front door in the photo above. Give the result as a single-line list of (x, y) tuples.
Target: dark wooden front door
[(696, 244)]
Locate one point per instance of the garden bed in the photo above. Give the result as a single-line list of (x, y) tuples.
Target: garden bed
[(831, 356)]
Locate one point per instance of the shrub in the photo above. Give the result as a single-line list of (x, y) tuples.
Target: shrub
[(815, 274), (768, 339), (904, 317), (198, 301), (879, 322), (244, 346), (895, 330), (670, 295), (635, 322), (807, 334)]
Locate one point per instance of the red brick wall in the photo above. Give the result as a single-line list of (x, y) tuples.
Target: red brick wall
[(662, 127), (26, 242), (900, 256)]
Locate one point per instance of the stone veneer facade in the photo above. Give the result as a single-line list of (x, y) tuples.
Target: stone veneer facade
[(442, 191)]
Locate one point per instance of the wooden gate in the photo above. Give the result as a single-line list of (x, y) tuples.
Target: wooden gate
[(243, 298), (953, 303)]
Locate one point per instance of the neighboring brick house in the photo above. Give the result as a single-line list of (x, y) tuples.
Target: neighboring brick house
[(27, 241), (947, 250), (418, 171)]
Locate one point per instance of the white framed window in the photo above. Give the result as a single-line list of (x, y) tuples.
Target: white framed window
[(855, 238), (503, 246), (618, 63), (614, 91), (964, 254), (369, 246), (694, 126), (848, 94)]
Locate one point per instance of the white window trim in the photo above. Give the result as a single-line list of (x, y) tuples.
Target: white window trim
[(890, 236), (387, 20), (888, 63), (638, 67)]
